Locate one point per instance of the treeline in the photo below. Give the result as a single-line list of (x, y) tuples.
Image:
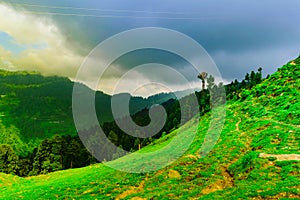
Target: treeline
[(64, 152), (180, 111), (234, 89), (175, 116), (57, 153)]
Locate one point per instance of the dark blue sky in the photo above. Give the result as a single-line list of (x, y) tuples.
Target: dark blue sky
[(240, 35)]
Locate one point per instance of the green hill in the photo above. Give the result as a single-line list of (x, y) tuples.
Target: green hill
[(262, 125), (34, 107)]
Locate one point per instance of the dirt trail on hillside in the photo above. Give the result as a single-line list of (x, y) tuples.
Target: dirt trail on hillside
[(132, 190), (237, 125), (281, 157), (228, 181)]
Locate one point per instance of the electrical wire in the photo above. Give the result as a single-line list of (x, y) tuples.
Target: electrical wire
[(115, 16), (182, 17), (103, 10)]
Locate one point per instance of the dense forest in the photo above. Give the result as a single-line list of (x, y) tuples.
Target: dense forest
[(37, 148)]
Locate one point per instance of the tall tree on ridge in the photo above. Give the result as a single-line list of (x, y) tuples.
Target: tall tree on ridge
[(202, 76)]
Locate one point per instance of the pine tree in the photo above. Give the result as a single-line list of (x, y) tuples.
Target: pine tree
[(210, 82), (247, 78), (252, 79), (259, 76)]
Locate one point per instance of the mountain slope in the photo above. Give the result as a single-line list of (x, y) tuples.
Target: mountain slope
[(264, 120), (34, 107)]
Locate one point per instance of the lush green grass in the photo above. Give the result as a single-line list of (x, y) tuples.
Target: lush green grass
[(267, 121)]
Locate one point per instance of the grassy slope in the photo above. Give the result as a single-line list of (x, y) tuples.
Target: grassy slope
[(268, 123)]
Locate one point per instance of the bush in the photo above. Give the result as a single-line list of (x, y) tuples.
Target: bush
[(244, 164), (245, 94)]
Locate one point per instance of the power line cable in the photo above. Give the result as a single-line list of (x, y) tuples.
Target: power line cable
[(104, 10), (115, 16)]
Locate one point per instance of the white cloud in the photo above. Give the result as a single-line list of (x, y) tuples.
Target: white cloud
[(55, 58)]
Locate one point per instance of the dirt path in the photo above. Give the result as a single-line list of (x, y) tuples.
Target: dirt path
[(237, 125), (245, 140), (220, 184), (229, 180), (281, 157)]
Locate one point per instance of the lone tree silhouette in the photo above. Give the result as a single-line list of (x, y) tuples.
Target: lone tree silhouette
[(203, 76)]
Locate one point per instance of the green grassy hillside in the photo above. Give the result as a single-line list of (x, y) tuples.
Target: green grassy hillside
[(264, 120)]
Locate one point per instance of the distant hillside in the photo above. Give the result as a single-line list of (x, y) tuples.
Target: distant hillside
[(33, 107), (256, 156)]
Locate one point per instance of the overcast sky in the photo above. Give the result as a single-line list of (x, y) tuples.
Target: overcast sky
[(239, 35)]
